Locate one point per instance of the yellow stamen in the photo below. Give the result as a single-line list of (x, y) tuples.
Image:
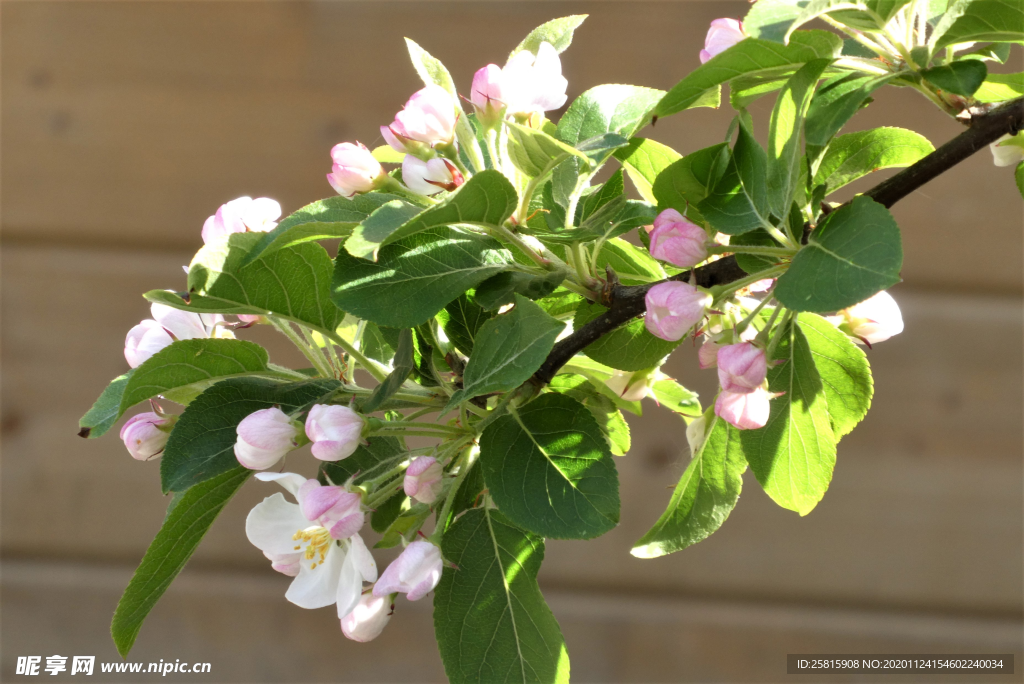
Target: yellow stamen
[(319, 539)]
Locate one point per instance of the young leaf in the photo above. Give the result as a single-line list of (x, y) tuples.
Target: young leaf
[(184, 527), (199, 363), (844, 371), (402, 368), (835, 102), (633, 265), (461, 320), (202, 444), (374, 458), (105, 412), (785, 128), (549, 469), (629, 347), (603, 408), (749, 57), (855, 253), (644, 160), (532, 150), (960, 78), (490, 619), (416, 277), (558, 32), (794, 454), (291, 282), (676, 398), (705, 496), (486, 198), (334, 217), (738, 202), (854, 155), (1001, 87), (1019, 177), (979, 21), (508, 350), (685, 183)]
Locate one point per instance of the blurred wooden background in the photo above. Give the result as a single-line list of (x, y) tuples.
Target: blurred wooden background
[(125, 124)]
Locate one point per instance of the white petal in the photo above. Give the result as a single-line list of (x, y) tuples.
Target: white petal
[(350, 586), (362, 558), (273, 522), (290, 481), (317, 587)]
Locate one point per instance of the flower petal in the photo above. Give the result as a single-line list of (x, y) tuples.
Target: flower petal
[(273, 522), (317, 587), (290, 481)]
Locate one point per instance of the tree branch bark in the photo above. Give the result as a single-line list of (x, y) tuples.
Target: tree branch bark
[(627, 302)]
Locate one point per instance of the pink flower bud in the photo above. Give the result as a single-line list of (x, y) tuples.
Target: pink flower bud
[(876, 319), (673, 308), (745, 411), (144, 340), (429, 177), (677, 241), (423, 479), (333, 507), (150, 336), (723, 34), (355, 170), (415, 572), (368, 619), (334, 430), (146, 434), (264, 437), (487, 95), (534, 83), (250, 319), (429, 118), (1008, 150), (241, 215), (707, 355), (741, 367)]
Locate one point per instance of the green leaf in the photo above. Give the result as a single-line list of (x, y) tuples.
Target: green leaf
[(183, 529), (549, 469), (292, 282), (374, 458), (402, 368), (416, 277), (784, 145), (386, 154), (1001, 87), (387, 512), (835, 102), (499, 290), (410, 519), (202, 443), (334, 217), (490, 619), (772, 19), (704, 497), (738, 203), (198, 363), (486, 198), (854, 155), (747, 58), (960, 78), (460, 321), (748, 262), (558, 32), (685, 183), (676, 398), (633, 265), (1019, 176), (844, 371), (775, 19), (644, 160), (379, 343), (855, 253), (107, 409), (603, 408), (629, 347), (793, 455), (532, 150), (979, 21), (508, 350)]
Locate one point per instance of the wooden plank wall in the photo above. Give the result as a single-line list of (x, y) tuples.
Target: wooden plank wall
[(126, 124)]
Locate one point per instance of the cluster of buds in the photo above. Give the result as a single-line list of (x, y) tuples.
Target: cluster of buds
[(529, 84), (242, 215), (265, 436)]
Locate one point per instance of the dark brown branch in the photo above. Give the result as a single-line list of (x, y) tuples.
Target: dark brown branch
[(627, 302)]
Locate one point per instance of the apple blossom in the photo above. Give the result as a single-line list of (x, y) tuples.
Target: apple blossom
[(707, 355), (1008, 150), (534, 83), (673, 308), (423, 479), (167, 325), (431, 176), (241, 215), (427, 120), (723, 34), (368, 619), (145, 435), (745, 411), (876, 319), (334, 431), (333, 560), (264, 437), (415, 572), (355, 170), (677, 241), (741, 367)]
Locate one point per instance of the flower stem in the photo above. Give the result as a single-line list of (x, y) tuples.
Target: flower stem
[(319, 362), (468, 460)]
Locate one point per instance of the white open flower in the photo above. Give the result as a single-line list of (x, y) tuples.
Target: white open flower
[(319, 535)]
